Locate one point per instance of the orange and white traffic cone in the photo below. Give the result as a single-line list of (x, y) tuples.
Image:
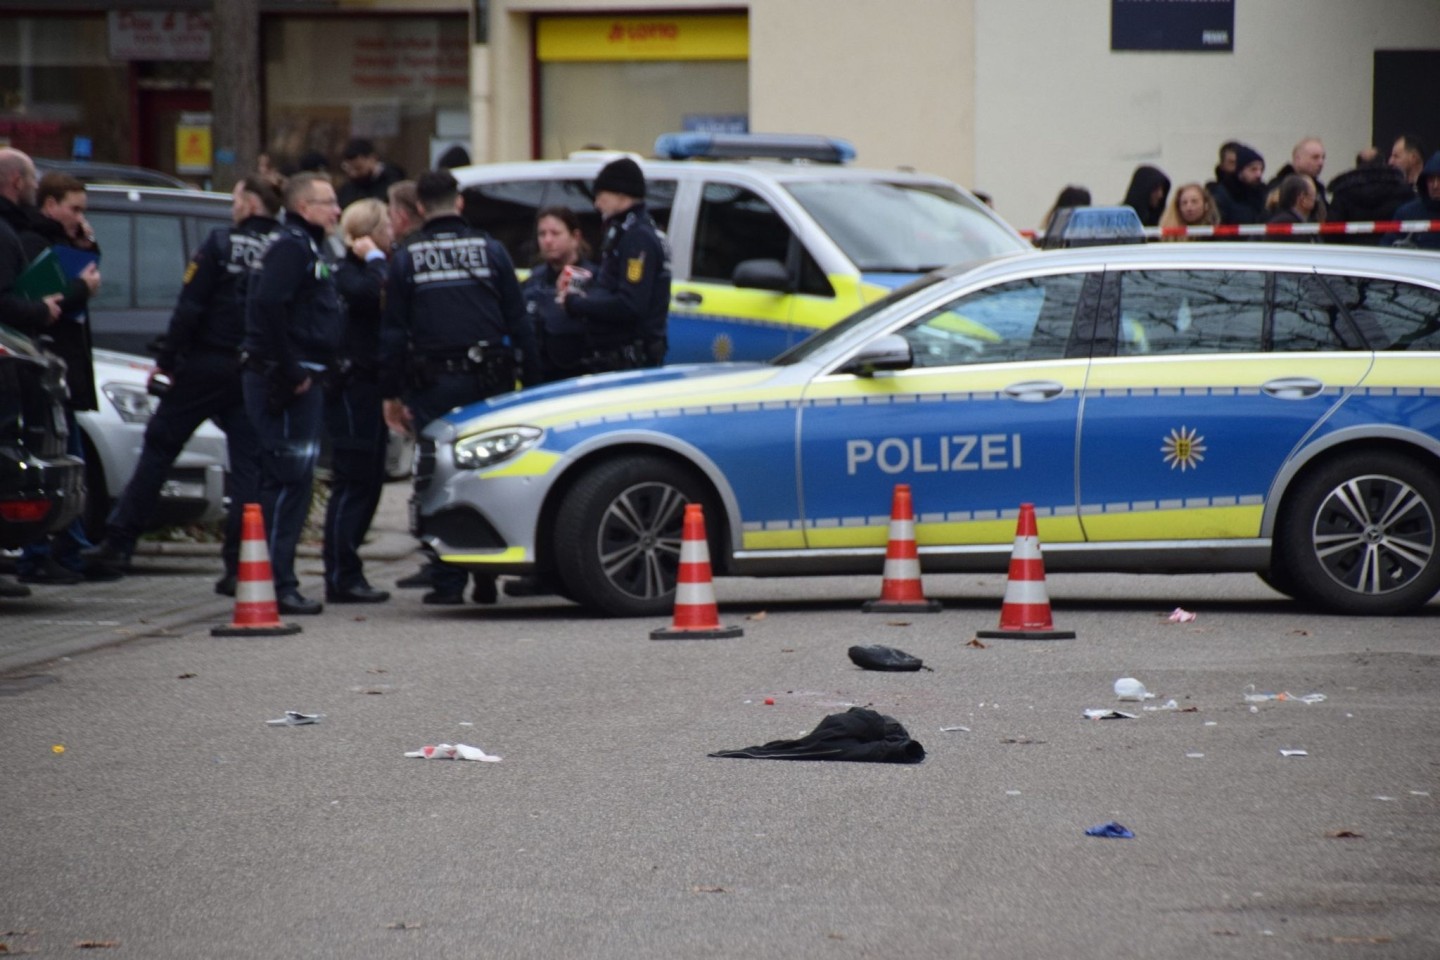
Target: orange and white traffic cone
[(1025, 614), (696, 616), (256, 614), (900, 589)]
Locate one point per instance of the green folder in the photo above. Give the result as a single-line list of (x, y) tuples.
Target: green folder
[(42, 278)]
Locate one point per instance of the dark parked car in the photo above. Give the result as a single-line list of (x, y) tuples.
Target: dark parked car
[(146, 236), (88, 171), (41, 487)]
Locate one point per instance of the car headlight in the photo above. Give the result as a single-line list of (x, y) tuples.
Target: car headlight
[(486, 449), (130, 401)]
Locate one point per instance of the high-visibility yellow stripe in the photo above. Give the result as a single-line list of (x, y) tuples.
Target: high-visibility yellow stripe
[(1200, 523), (1052, 530), (531, 463), (774, 540), (508, 555)]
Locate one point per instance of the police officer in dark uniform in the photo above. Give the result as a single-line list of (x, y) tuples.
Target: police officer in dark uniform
[(199, 356), (293, 328), (626, 305), (453, 328), (561, 338), (354, 415)]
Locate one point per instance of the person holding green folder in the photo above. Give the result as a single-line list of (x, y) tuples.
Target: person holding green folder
[(58, 223)]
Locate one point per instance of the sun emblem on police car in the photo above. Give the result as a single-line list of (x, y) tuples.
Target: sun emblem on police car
[(722, 347), (1184, 448)]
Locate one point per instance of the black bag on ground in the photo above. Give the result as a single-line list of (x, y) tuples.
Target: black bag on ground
[(858, 735), (876, 657)]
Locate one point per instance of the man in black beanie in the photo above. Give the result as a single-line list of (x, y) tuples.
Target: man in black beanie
[(626, 304)]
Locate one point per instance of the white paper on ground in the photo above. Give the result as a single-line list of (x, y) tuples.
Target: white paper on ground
[(455, 751)]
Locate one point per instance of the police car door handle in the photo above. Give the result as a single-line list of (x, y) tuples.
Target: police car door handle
[(689, 298), (1034, 391), (1292, 388)]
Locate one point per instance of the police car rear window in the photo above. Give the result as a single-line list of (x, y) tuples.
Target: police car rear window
[(896, 227)]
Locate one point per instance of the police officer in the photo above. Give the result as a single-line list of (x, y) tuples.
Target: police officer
[(199, 356), (293, 327), (626, 305), (354, 415), (561, 338), (453, 327)]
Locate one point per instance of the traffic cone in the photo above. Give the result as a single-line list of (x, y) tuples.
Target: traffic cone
[(256, 614), (1025, 614), (900, 589), (696, 617)]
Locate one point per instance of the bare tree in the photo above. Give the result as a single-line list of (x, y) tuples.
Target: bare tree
[(236, 94)]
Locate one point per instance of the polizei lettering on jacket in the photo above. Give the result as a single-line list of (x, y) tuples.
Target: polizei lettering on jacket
[(458, 258), (953, 453)]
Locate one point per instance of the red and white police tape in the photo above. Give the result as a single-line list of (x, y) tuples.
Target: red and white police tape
[(1331, 228)]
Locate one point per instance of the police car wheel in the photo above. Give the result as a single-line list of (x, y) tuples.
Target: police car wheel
[(1359, 535), (617, 535)]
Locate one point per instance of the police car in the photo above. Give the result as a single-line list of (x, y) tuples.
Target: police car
[(1177, 407), (771, 237)]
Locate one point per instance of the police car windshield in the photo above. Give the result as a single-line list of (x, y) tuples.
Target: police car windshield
[(832, 333), (897, 227)]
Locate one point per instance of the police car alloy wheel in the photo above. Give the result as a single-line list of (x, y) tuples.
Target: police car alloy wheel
[(617, 535), (1359, 534)]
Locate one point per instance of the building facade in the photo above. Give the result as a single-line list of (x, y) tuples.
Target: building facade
[(1016, 98)]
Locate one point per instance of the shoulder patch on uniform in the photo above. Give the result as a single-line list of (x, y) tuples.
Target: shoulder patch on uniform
[(190, 270), (635, 269)]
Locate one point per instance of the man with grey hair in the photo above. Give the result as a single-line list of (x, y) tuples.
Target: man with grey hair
[(18, 189), (1307, 158)]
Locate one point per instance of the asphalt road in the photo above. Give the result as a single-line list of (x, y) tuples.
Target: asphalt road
[(177, 824)]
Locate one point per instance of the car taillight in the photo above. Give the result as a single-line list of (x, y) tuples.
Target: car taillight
[(24, 511)]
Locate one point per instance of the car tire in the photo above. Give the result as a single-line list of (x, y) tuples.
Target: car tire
[(617, 535), (1358, 535), (1277, 578)]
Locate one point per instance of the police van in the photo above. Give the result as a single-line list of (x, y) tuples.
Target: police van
[(1272, 408), (771, 237)]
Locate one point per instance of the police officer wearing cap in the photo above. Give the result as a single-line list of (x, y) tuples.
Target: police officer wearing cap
[(199, 359), (294, 324), (626, 305), (453, 329)]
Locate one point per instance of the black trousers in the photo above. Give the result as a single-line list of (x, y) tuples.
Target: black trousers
[(355, 422), (443, 393), (206, 387)]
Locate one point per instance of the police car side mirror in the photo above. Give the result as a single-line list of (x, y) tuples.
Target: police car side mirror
[(890, 352), (767, 274)]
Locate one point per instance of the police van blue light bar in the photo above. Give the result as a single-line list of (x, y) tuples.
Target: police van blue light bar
[(1092, 226), (734, 146)]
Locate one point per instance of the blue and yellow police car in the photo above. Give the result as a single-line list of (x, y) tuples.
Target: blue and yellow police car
[(1166, 408), (771, 237)]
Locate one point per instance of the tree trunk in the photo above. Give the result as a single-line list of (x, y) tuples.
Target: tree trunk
[(236, 90)]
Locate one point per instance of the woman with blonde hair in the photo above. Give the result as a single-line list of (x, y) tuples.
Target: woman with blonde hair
[(353, 405), (1192, 206)]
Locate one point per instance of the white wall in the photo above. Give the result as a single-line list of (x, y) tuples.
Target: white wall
[(896, 79), (1055, 106)]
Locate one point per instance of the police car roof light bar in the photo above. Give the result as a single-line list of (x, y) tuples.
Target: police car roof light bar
[(771, 146), (1093, 226)]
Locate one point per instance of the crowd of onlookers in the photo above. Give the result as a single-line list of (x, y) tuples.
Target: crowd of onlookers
[(1402, 185)]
